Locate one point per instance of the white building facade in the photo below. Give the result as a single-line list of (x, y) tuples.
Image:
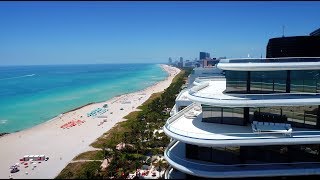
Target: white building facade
[(261, 120)]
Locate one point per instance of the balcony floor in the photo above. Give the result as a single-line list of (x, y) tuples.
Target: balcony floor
[(194, 131)]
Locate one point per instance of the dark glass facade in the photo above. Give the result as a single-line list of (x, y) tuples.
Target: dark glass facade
[(223, 115), (297, 116), (204, 55), (254, 154), (236, 81), (305, 81), (262, 82), (295, 46)]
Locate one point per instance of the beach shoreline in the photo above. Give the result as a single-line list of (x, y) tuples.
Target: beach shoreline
[(62, 145)]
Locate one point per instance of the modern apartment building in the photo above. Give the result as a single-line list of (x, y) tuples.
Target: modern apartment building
[(294, 46), (204, 55), (261, 120)]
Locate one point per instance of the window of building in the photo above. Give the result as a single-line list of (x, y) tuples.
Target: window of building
[(223, 115), (305, 81), (211, 114), (191, 151), (297, 116), (255, 154), (236, 81), (232, 116)]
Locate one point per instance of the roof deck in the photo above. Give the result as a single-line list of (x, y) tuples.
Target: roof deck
[(187, 126), (175, 155), (211, 93)]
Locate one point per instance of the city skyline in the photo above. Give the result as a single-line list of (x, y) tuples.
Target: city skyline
[(35, 33)]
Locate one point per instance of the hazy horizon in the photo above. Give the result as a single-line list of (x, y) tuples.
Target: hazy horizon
[(49, 33), (84, 63)]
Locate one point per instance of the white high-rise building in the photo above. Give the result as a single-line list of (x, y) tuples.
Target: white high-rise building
[(261, 120)]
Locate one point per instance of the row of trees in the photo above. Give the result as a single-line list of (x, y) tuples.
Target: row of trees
[(141, 135)]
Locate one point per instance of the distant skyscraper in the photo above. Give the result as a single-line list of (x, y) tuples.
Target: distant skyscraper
[(204, 55), (181, 62), (170, 60)]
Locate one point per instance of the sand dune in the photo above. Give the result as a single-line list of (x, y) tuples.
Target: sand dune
[(62, 145)]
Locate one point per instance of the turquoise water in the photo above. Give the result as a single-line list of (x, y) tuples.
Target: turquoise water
[(30, 95)]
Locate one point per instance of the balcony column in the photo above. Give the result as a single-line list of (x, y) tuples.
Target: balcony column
[(246, 116), (242, 154), (288, 81), (248, 81), (318, 117), (318, 152)]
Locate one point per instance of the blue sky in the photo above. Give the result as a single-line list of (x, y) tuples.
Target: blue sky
[(130, 32)]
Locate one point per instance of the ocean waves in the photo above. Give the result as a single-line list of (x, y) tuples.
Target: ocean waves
[(16, 77), (28, 101), (3, 121)]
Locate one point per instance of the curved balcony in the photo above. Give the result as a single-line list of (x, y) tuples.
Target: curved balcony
[(175, 155), (187, 126), (211, 93), (270, 64), (172, 173)]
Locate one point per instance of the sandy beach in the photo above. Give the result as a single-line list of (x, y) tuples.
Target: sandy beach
[(62, 145)]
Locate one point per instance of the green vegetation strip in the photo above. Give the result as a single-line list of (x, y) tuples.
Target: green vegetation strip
[(80, 170)]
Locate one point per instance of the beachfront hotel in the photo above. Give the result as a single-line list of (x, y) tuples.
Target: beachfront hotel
[(262, 119)]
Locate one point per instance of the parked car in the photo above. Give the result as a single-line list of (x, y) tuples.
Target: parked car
[(14, 170)]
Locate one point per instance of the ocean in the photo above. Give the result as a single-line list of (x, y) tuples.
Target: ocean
[(30, 95)]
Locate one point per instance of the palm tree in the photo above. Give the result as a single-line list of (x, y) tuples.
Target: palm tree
[(160, 164), (108, 153)]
